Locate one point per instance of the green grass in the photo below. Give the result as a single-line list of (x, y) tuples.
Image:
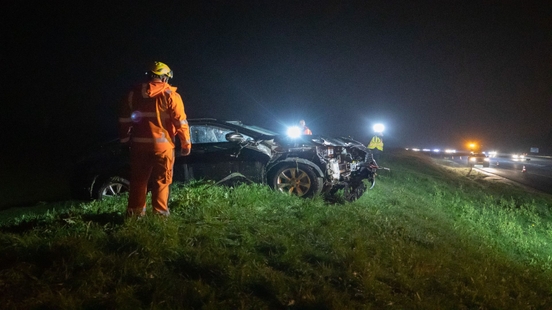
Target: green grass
[(426, 237)]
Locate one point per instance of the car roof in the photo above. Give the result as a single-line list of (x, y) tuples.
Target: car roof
[(237, 125)]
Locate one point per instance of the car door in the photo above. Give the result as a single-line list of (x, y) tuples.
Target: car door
[(214, 158)]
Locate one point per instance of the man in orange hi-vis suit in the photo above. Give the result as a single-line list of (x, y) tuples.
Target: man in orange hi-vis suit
[(305, 130), (150, 118)]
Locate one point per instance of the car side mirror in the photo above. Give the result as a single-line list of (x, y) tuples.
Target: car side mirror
[(234, 137)]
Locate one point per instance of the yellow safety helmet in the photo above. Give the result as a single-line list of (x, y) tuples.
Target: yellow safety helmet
[(159, 68)]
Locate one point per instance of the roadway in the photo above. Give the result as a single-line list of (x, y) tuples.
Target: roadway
[(534, 172)]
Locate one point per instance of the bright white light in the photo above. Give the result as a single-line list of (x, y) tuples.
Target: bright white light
[(426, 150), (416, 150), (518, 157), (293, 132), (450, 151), (436, 150), (378, 128)]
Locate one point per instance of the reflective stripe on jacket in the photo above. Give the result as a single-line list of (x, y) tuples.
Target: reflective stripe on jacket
[(376, 143), (152, 116)]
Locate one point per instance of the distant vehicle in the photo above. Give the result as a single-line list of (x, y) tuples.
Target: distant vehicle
[(478, 159), (519, 157), (229, 151)]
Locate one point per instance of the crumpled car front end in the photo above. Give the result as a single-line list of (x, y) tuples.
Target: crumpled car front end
[(346, 166)]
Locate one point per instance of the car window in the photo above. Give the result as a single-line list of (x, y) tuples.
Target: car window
[(209, 134)]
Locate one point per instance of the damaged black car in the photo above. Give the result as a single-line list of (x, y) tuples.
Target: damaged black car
[(229, 152)]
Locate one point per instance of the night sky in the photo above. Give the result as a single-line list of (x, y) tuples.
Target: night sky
[(436, 73)]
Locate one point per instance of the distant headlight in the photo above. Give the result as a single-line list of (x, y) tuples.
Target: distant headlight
[(486, 159), (472, 159)]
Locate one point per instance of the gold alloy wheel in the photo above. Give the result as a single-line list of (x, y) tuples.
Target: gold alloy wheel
[(294, 181)]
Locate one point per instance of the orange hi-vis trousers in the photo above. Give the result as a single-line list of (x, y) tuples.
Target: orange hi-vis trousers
[(146, 165)]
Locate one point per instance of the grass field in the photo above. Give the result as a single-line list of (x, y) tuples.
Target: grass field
[(426, 237)]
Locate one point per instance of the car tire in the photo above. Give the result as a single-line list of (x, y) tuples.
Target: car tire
[(111, 187), (295, 178)]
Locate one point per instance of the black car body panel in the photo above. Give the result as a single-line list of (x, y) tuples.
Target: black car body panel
[(97, 166), (223, 151), (214, 161)]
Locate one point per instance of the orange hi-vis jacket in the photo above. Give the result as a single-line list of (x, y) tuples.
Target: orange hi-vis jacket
[(152, 116), (306, 130)]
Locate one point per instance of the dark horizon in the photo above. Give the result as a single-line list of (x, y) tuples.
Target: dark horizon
[(436, 74)]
